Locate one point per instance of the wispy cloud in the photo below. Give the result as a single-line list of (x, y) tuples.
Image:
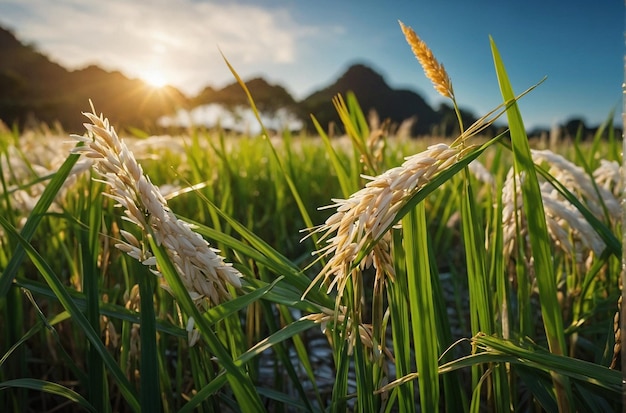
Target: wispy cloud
[(180, 37)]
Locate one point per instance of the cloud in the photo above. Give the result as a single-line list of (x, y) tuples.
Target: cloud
[(180, 37)]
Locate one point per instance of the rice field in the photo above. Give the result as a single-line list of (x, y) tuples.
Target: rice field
[(368, 272)]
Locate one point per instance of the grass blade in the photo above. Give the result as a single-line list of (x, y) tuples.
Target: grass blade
[(342, 175), (480, 303), (68, 303), (294, 191), (537, 229), (150, 395), (239, 381), (400, 326), (38, 212), (98, 388), (529, 354), (49, 387), (421, 306)]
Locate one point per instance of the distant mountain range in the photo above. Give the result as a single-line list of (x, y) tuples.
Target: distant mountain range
[(34, 89)]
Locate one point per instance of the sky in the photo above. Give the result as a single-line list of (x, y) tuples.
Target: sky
[(305, 45)]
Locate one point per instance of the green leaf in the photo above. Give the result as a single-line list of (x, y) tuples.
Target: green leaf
[(49, 387), (294, 190), (400, 325), (283, 334), (262, 253), (150, 390), (89, 246), (38, 212), (239, 381), (342, 175), (532, 355), (77, 316), (537, 228), (421, 306)]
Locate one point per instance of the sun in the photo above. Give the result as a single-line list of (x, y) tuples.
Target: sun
[(154, 78)]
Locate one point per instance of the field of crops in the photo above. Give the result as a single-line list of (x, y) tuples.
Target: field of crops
[(367, 272)]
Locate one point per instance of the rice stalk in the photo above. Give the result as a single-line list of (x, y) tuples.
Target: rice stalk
[(171, 246), (365, 216), (90, 242), (432, 68), (59, 290), (537, 230), (422, 306), (203, 271), (34, 219)]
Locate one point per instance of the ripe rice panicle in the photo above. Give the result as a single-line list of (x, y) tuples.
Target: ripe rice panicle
[(203, 271)]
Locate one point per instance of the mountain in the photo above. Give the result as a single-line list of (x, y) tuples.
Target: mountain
[(268, 98), (35, 89), (374, 93)]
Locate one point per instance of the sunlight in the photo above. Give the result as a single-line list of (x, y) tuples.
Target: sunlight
[(154, 78)]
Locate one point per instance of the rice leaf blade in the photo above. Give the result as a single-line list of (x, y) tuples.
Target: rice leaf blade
[(537, 229), (68, 303), (340, 170), (421, 306), (150, 395), (400, 325), (35, 217), (98, 389), (49, 387), (239, 381)]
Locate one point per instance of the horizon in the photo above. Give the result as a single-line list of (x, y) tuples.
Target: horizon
[(304, 47)]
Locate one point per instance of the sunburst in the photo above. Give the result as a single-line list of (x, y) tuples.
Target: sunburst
[(154, 78)]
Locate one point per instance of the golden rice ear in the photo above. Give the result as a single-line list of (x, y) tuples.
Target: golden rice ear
[(433, 69), (204, 273), (364, 218)]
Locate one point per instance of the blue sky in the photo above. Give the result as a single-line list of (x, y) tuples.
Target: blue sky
[(305, 45)]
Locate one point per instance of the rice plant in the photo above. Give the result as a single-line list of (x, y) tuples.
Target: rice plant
[(367, 273)]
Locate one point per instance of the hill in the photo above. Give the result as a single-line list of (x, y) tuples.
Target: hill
[(267, 97), (35, 89), (373, 93)]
